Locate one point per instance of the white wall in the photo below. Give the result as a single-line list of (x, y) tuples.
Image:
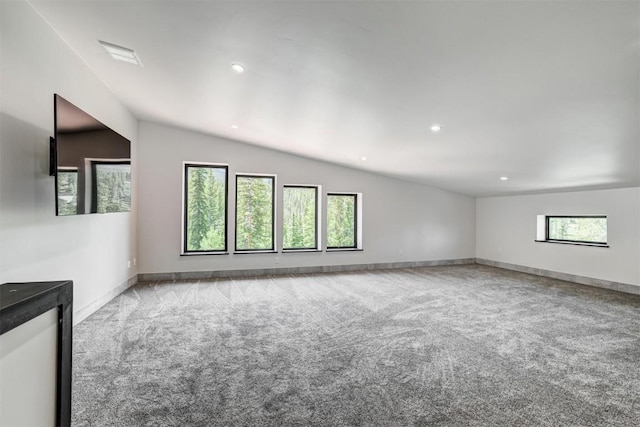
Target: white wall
[(91, 250), (28, 366), (506, 230), (401, 221)]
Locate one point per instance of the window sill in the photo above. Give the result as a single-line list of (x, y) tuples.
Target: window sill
[(268, 251), (560, 242), (293, 251), (203, 253), (344, 250)]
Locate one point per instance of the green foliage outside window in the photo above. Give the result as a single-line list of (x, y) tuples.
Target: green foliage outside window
[(299, 217), (67, 192), (113, 187), (206, 213), (578, 229), (254, 213), (341, 221)]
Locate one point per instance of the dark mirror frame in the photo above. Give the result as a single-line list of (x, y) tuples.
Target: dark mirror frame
[(80, 142)]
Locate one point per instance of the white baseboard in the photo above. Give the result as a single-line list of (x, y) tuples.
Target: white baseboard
[(583, 280), (203, 275), (82, 313)]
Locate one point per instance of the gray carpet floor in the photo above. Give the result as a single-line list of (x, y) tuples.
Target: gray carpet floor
[(438, 346)]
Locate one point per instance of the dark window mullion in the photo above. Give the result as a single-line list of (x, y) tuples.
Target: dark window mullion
[(550, 218), (315, 201), (225, 215), (354, 220), (271, 178)]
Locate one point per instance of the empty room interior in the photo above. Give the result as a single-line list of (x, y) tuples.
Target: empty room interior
[(320, 213)]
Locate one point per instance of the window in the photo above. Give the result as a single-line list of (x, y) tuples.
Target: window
[(300, 217), (110, 186), (255, 212), (205, 208), (67, 181), (342, 221), (586, 229), (579, 229)]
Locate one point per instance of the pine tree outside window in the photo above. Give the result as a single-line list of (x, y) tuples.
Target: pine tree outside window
[(300, 217), (205, 208), (111, 186), (67, 181), (255, 213), (342, 221)]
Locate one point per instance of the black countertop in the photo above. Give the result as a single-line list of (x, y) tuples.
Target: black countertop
[(20, 302)]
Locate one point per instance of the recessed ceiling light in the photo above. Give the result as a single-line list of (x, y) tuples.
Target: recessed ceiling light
[(503, 178), (435, 128), (237, 68), (364, 159), (234, 126), (121, 53)]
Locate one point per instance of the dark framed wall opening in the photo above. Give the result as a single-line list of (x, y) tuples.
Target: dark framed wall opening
[(67, 191), (205, 208), (583, 229), (342, 221), (300, 217), (255, 213), (110, 186)]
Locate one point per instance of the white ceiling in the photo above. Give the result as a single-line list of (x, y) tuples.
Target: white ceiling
[(546, 93)]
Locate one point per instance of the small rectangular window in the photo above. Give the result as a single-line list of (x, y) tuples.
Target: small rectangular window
[(67, 181), (587, 230), (205, 208), (578, 229), (342, 221), (299, 217), (255, 212)]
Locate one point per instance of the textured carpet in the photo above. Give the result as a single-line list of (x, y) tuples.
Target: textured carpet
[(456, 346)]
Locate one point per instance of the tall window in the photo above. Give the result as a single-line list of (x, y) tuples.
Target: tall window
[(205, 208), (578, 229), (255, 212), (342, 221), (300, 217)]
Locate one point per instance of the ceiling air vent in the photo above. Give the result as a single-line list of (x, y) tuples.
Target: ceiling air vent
[(121, 53)]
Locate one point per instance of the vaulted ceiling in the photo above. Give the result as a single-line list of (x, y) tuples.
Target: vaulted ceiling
[(544, 93)]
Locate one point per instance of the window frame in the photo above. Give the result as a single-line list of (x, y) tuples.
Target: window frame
[(273, 249), (185, 200), (356, 224), (543, 235), (94, 181), (316, 247), (67, 169)]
